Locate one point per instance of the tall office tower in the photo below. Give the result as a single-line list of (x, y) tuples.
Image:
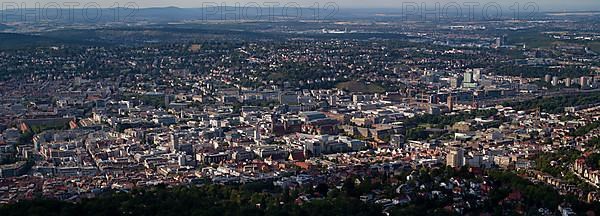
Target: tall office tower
[(455, 157), (468, 77)]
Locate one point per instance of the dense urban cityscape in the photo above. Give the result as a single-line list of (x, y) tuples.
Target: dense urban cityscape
[(357, 114)]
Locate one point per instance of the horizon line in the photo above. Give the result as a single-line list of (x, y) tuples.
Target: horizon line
[(351, 8)]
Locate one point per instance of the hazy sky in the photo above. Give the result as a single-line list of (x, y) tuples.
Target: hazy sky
[(553, 5)]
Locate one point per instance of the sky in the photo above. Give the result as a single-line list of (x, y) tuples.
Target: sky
[(544, 5)]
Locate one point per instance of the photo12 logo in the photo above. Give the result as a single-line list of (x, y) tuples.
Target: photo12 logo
[(468, 11), (68, 11), (130, 11), (268, 11)]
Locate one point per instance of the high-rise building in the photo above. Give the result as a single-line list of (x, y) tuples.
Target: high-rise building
[(181, 160), (497, 42), (468, 81), (554, 80), (454, 82), (455, 157), (547, 78), (77, 81), (450, 102), (257, 137), (477, 74), (583, 81), (174, 144), (333, 100), (468, 77), (167, 100)]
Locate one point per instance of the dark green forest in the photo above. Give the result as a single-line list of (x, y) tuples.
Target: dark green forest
[(262, 198)]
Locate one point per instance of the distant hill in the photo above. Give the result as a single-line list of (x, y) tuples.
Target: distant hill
[(164, 14)]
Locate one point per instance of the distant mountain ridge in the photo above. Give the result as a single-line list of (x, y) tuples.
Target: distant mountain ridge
[(166, 14), (212, 12)]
